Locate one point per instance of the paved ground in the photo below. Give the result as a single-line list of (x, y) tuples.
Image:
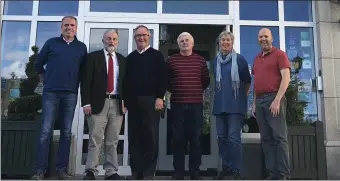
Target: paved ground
[(156, 178)]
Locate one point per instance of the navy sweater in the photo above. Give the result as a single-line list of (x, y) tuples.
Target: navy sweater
[(63, 62)]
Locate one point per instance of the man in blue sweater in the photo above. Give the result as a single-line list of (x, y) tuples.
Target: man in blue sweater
[(63, 57)]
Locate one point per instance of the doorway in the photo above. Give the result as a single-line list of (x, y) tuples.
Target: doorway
[(93, 40), (206, 45)]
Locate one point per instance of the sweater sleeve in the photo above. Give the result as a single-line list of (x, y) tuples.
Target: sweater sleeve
[(205, 75), (42, 58), (169, 75)]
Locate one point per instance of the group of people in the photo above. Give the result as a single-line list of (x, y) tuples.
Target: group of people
[(111, 84)]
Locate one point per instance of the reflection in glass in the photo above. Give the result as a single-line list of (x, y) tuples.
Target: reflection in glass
[(250, 48), (18, 7), (45, 31), (134, 47), (265, 10), (14, 47), (303, 8), (196, 7), (124, 6), (300, 43), (96, 36), (58, 8)]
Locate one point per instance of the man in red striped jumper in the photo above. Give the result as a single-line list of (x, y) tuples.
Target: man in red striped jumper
[(188, 77)]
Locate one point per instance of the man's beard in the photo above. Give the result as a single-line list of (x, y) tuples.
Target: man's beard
[(110, 48)]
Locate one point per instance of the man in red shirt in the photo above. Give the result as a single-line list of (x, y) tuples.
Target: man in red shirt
[(188, 77), (271, 72)]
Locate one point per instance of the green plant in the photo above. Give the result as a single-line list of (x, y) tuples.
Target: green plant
[(28, 85), (26, 106), (206, 111), (295, 108)]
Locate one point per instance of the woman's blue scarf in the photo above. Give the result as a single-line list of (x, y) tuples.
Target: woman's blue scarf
[(235, 78)]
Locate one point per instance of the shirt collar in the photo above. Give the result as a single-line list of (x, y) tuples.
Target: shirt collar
[(143, 49), (68, 42), (270, 51), (106, 53)]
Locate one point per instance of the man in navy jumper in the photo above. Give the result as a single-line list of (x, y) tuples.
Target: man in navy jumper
[(63, 57), (144, 88)]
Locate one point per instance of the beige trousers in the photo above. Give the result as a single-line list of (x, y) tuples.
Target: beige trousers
[(107, 123)]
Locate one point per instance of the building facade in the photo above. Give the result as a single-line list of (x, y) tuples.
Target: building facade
[(306, 29)]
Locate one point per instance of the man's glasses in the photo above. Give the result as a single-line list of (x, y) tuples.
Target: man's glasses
[(141, 35)]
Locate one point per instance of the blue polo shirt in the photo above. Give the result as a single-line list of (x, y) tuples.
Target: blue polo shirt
[(63, 64)]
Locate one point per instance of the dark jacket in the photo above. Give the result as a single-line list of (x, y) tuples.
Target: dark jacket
[(94, 80)]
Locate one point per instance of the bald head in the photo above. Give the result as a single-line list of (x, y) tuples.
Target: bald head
[(265, 39)]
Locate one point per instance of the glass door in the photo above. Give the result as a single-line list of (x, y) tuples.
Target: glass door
[(93, 40)]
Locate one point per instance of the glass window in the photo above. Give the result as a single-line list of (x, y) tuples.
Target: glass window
[(18, 7), (123, 6), (259, 10), (14, 47), (299, 43), (196, 7), (14, 56), (45, 31), (302, 8), (96, 36), (249, 49), (58, 8)]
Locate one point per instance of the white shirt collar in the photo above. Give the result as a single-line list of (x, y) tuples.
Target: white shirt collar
[(140, 52), (106, 53), (68, 42)]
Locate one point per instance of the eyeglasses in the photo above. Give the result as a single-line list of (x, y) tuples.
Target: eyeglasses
[(141, 35)]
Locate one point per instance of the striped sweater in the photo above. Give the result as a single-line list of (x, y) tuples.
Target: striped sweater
[(188, 77)]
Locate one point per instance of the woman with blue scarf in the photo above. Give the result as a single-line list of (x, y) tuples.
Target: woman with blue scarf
[(232, 82)]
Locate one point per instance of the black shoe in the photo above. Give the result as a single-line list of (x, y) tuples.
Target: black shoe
[(62, 175), (177, 176), (195, 176), (226, 172), (38, 175), (89, 176), (282, 177), (135, 176), (234, 176), (114, 176), (271, 176)]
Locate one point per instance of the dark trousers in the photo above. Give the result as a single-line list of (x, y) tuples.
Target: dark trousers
[(273, 132), (143, 126), (228, 128), (59, 104), (187, 126)]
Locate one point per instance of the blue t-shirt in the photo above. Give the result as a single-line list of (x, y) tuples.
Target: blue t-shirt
[(224, 99), (63, 64)]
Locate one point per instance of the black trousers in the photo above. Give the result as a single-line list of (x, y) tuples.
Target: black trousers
[(143, 129), (187, 127)]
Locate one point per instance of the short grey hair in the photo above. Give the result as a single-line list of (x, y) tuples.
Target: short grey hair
[(226, 34), (185, 34), (69, 17), (110, 31), (142, 26)]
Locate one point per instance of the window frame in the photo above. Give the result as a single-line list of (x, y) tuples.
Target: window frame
[(282, 24)]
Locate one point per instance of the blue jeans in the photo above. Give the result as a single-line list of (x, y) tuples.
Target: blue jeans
[(187, 126), (61, 105), (228, 128)]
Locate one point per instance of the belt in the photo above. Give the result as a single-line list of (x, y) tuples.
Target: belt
[(111, 96), (263, 95)]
